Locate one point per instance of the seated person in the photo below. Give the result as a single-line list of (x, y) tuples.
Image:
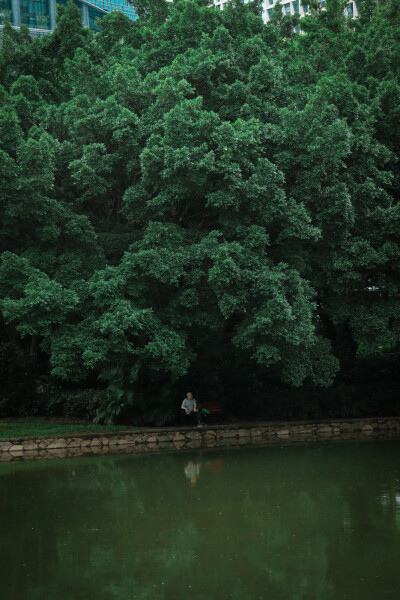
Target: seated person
[(189, 409)]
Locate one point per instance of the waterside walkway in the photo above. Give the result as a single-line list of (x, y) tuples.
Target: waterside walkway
[(187, 438)]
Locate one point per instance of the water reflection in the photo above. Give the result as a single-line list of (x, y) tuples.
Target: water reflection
[(317, 522), (211, 465), (192, 471)]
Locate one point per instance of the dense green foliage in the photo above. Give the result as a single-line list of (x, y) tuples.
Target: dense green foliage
[(195, 198)]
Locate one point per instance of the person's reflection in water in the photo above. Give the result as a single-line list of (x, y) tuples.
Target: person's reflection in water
[(192, 471)]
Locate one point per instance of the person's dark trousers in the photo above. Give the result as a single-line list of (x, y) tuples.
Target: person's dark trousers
[(192, 418)]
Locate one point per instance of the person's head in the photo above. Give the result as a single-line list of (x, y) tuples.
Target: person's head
[(189, 395)]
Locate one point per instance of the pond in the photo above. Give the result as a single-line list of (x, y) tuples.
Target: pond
[(310, 522)]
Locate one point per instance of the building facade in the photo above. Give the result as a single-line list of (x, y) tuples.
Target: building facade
[(120, 5), (40, 15), (291, 7)]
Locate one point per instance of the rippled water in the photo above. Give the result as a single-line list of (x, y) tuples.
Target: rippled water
[(305, 522)]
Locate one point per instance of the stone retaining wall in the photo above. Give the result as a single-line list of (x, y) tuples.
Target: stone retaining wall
[(156, 440)]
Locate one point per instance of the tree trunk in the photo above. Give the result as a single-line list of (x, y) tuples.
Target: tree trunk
[(34, 345), (14, 337)]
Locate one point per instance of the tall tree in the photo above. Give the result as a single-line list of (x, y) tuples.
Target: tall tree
[(197, 184)]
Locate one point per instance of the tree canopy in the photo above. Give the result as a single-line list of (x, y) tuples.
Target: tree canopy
[(197, 195)]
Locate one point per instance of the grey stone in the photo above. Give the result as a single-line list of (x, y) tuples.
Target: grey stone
[(57, 452), (30, 454), (75, 451), (229, 433), (17, 454), (243, 433), (152, 447), (151, 439), (74, 442), (194, 443), (269, 434), (179, 444), (16, 448), (112, 441), (348, 426), (85, 443), (162, 438), (6, 457), (139, 439), (256, 432), (209, 442), (58, 443), (29, 445), (302, 428), (164, 445), (156, 441), (367, 428), (124, 441), (5, 446), (283, 433), (231, 441), (193, 435)]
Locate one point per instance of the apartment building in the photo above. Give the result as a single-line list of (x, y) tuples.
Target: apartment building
[(121, 5), (40, 15), (290, 7)]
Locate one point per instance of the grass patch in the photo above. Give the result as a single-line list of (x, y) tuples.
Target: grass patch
[(32, 427)]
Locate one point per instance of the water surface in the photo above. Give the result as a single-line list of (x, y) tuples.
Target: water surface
[(305, 522)]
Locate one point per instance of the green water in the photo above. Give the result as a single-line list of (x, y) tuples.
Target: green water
[(308, 522)]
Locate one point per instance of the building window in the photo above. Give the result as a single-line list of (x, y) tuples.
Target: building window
[(121, 5), (350, 11), (35, 13), (5, 11), (305, 8), (296, 6), (93, 15), (269, 11), (271, 1), (287, 8)]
